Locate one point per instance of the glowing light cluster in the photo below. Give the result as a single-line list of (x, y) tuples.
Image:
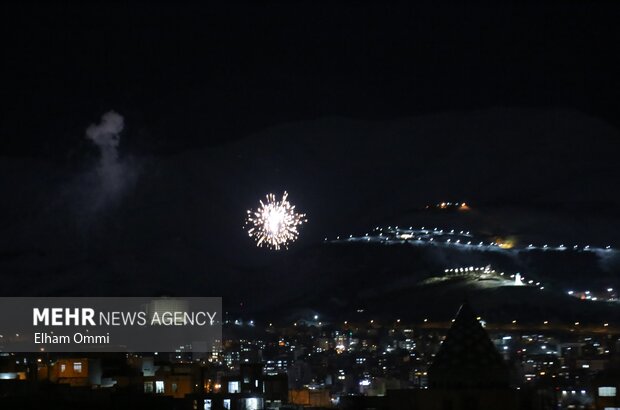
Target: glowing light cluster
[(275, 224), (436, 236)]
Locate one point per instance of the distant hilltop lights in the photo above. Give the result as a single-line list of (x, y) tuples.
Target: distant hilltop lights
[(424, 236), (487, 272), (461, 206), (605, 295)]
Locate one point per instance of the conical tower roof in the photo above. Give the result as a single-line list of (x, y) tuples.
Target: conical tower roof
[(467, 358)]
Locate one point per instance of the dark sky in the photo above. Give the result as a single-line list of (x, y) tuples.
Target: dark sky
[(195, 74), (362, 111)]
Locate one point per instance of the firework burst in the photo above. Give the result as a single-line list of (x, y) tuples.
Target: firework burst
[(275, 223)]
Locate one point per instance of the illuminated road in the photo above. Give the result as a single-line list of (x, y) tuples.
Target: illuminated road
[(582, 328), (455, 239)]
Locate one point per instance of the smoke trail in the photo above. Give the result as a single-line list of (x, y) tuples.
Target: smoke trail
[(106, 136)]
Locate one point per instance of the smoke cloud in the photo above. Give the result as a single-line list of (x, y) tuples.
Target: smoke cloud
[(114, 174), (106, 136)]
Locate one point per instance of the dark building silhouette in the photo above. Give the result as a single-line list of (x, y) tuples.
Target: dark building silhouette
[(467, 358)]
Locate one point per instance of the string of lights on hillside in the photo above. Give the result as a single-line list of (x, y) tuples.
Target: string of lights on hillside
[(486, 271), (461, 206), (426, 322), (605, 295), (452, 238), (608, 295)]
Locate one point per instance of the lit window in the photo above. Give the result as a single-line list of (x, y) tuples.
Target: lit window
[(174, 387), (159, 387), (607, 392), (233, 387), (148, 387), (63, 368), (251, 403), (207, 405), (227, 404), (77, 367)]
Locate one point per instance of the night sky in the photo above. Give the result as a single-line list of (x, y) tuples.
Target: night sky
[(190, 75), (362, 112)]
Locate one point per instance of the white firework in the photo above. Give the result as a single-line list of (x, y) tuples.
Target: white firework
[(275, 223)]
